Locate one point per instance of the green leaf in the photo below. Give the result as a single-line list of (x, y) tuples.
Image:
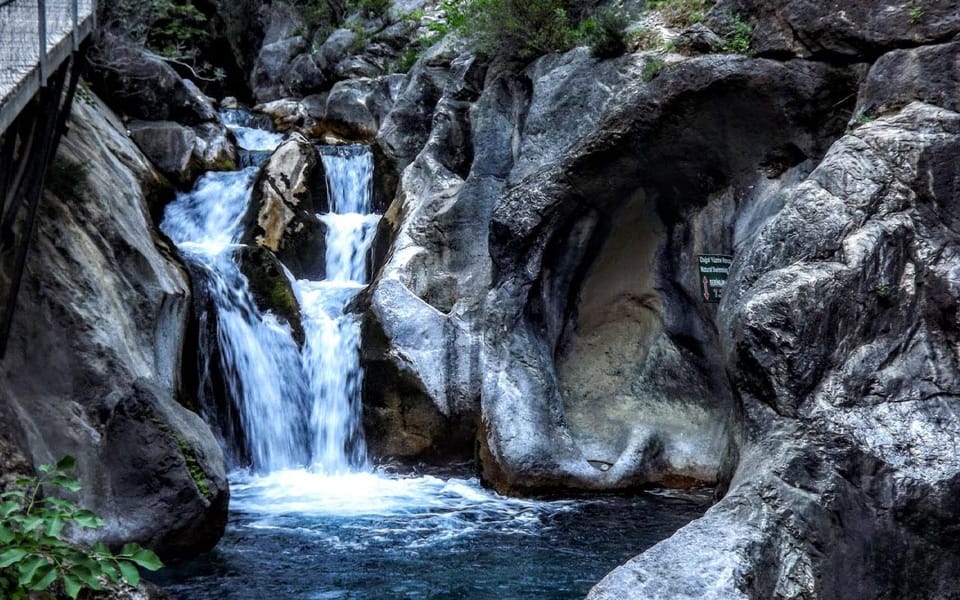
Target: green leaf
[(129, 550), (11, 556), (60, 503), (45, 468), (8, 508), (66, 483), (71, 585), (28, 568), (110, 571), (6, 533), (43, 577), (54, 526), (30, 523), (85, 518), (87, 576), (147, 559), (67, 463), (101, 548), (15, 493), (129, 572)]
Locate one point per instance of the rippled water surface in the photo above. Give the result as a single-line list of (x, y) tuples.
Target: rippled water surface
[(300, 535)]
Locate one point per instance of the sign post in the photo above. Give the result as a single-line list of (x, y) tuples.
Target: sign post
[(714, 270)]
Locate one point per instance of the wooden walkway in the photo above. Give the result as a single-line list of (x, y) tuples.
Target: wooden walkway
[(36, 37)]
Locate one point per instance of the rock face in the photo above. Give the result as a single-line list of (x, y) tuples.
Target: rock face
[(540, 292), (93, 366), (573, 201), (854, 29), (840, 331)]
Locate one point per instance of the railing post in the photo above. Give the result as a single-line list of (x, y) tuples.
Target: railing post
[(42, 34), (76, 25)]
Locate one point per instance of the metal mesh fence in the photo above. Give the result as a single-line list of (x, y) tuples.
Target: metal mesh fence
[(21, 22)]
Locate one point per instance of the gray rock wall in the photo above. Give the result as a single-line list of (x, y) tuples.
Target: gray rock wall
[(93, 368)]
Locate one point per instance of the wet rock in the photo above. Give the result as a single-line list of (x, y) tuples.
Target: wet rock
[(283, 210), (93, 368), (271, 288), (214, 149), (431, 349)]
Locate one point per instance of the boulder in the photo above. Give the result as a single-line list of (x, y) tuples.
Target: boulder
[(214, 148), (182, 153), (94, 368), (169, 146), (405, 130), (288, 195), (287, 114), (143, 86), (337, 46), (305, 75), (355, 108), (272, 67), (930, 74)]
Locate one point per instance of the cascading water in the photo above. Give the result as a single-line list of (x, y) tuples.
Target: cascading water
[(312, 518), (332, 351)]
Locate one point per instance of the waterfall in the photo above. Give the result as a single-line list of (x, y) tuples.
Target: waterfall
[(331, 354), (287, 408)]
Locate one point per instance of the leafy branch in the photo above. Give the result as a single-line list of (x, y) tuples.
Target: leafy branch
[(36, 556)]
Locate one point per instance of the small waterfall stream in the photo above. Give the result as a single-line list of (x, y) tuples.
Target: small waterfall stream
[(311, 518)]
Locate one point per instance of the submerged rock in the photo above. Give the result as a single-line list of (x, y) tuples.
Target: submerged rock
[(93, 368)]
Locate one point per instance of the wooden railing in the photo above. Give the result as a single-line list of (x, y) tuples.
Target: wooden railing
[(36, 37)]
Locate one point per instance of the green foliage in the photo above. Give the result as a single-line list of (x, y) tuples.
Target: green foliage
[(35, 555), (521, 28), (406, 60), (67, 179), (178, 30), (916, 14), (653, 68), (682, 13), (737, 40), (606, 33)]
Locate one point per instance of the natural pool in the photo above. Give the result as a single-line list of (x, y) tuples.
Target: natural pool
[(300, 535)]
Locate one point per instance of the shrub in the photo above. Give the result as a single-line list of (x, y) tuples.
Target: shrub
[(520, 28), (653, 68), (737, 40), (36, 556), (606, 33)]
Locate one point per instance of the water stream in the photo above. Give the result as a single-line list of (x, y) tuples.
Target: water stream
[(311, 518)]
